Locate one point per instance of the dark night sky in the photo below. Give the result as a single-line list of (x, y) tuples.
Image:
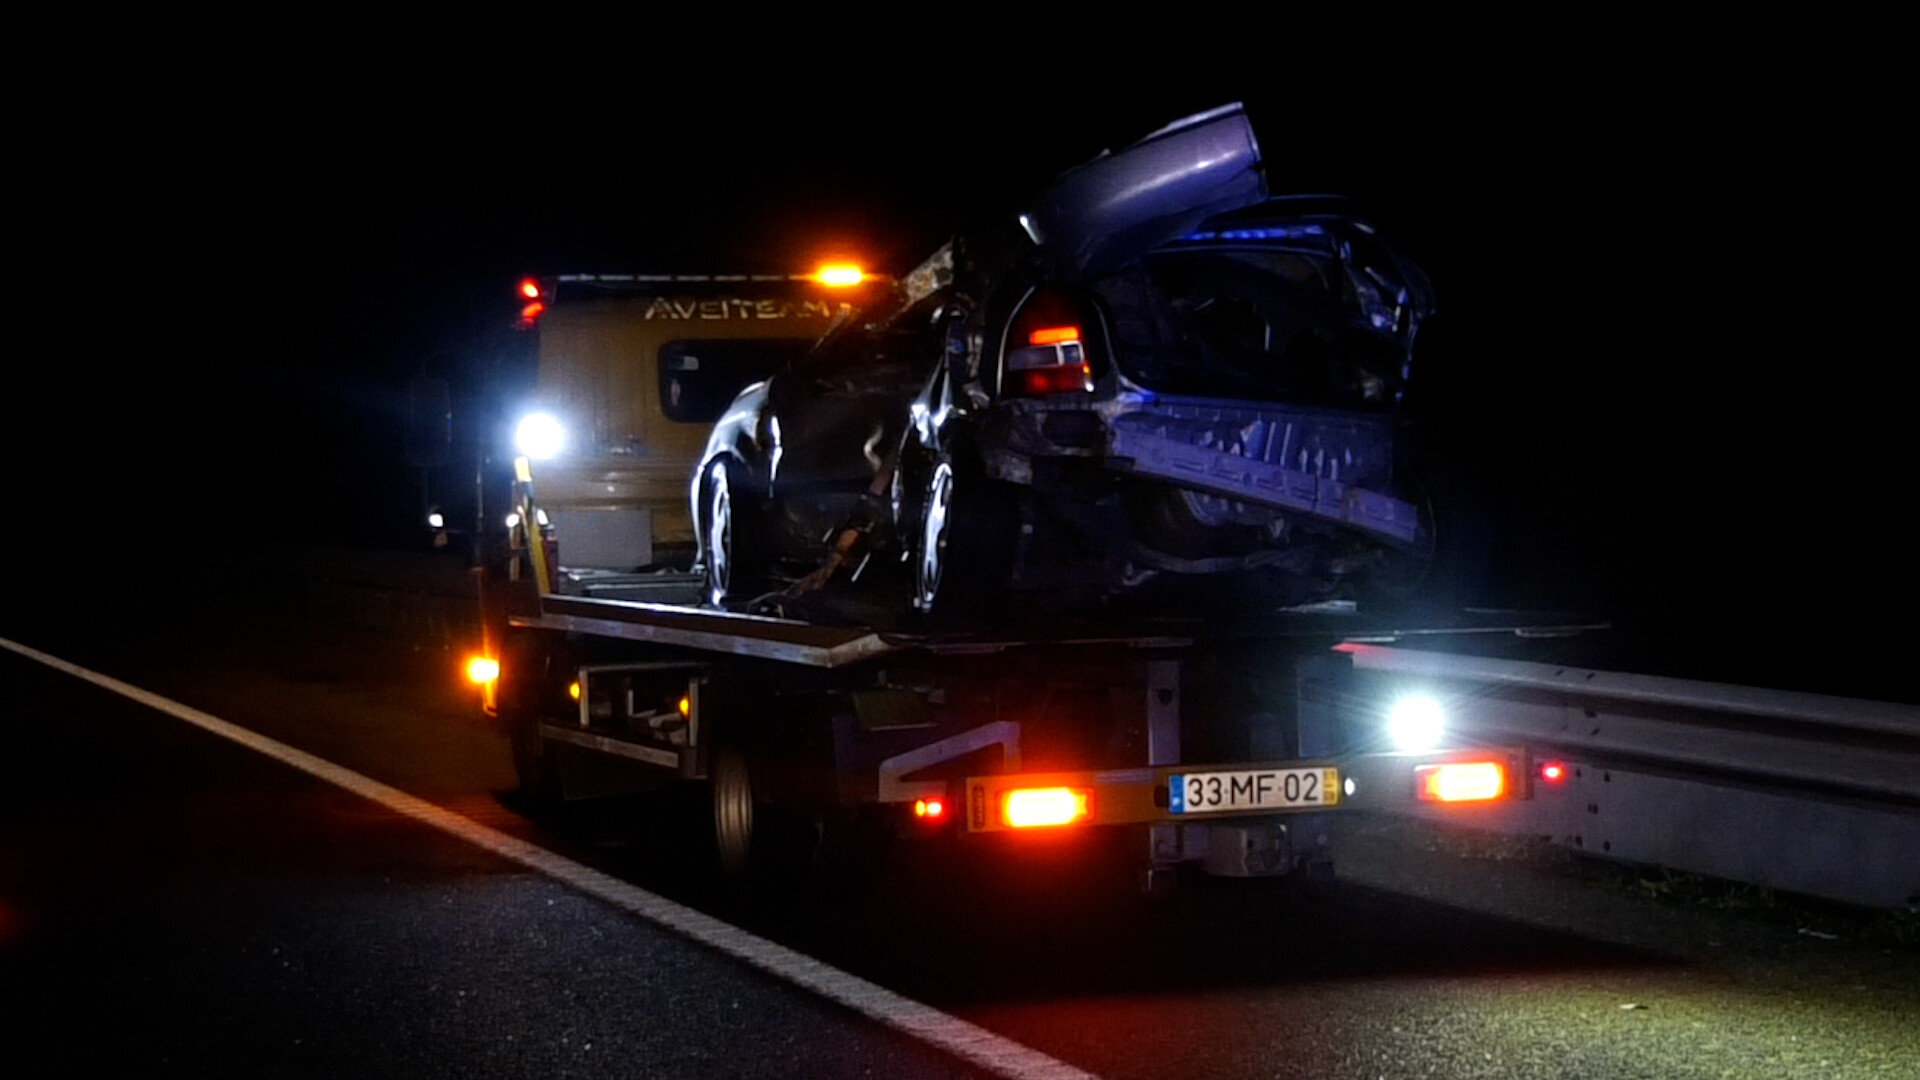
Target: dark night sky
[(261, 259)]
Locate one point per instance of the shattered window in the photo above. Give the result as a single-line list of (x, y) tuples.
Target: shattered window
[(1253, 321)]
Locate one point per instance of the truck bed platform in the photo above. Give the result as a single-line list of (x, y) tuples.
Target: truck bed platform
[(825, 645)]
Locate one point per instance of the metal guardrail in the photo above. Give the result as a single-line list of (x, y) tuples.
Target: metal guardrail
[(1802, 792)]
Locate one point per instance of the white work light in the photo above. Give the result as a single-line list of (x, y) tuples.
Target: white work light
[(539, 436), (1416, 723)]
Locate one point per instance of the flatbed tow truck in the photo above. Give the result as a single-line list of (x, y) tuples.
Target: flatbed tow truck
[(1228, 748)]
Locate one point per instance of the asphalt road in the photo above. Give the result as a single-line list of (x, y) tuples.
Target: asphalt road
[(175, 903)]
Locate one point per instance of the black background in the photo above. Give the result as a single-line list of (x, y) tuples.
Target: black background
[(1663, 275)]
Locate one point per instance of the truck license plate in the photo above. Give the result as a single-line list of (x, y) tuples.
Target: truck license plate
[(1256, 789)]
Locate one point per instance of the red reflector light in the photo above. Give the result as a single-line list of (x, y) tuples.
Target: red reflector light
[(531, 312), (1460, 781), (1028, 808), (1553, 771), (1053, 335)]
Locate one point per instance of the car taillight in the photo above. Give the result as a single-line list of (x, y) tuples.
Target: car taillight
[(1047, 351)]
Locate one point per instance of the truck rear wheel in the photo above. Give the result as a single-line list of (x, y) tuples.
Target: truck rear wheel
[(782, 851), (731, 785)]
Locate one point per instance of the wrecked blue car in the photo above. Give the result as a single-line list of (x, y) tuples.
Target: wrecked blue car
[(1166, 387)]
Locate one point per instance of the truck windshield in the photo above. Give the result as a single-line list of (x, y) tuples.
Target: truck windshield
[(700, 376)]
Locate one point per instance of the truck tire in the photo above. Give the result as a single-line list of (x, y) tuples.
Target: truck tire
[(782, 853), (533, 760), (522, 678), (730, 784)]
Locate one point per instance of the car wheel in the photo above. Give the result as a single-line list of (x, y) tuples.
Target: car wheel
[(931, 562), (1448, 567), (963, 553), (732, 565)]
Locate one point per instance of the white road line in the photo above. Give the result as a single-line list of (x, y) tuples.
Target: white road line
[(975, 1044)]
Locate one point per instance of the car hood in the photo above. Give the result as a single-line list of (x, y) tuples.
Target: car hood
[(1122, 204)]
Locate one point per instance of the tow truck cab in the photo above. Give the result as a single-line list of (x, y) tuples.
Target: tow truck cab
[(632, 371)]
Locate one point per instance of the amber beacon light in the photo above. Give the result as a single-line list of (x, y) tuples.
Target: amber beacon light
[(839, 275)]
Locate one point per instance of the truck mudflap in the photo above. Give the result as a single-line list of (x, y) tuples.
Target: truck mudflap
[(1202, 794)]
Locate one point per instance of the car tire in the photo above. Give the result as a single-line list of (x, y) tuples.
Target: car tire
[(734, 567), (1449, 568), (963, 549)]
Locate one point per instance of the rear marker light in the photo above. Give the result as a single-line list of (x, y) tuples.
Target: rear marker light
[(929, 809), (1553, 772), (482, 670), (1036, 807), (530, 289), (1460, 781)]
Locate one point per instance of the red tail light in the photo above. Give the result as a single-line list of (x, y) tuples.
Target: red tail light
[(1460, 781), (1047, 351), (1054, 379)]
